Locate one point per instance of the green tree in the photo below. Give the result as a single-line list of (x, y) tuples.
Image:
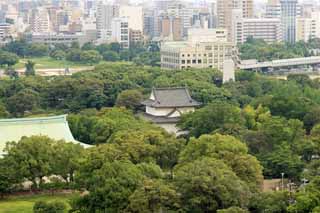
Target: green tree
[(90, 57), (229, 150), (111, 56), (58, 54), (110, 187), (232, 210), (37, 50), (154, 196), (274, 202), (210, 118), (8, 59), (131, 99), (49, 207), (30, 68), (23, 101), (208, 184), (31, 158)]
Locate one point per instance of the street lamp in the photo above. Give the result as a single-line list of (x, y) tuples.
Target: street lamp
[(282, 174)]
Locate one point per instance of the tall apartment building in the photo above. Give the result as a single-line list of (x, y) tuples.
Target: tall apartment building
[(134, 15), (171, 28), (40, 20), (264, 28), (308, 28), (105, 14), (203, 52), (224, 12), (120, 31), (288, 20), (273, 9)]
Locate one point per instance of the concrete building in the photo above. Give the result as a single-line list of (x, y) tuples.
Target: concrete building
[(273, 9), (308, 28), (134, 15), (265, 28), (105, 14), (288, 20), (166, 105), (207, 35), (5, 32), (171, 28), (186, 54), (54, 38), (120, 31), (224, 12), (40, 20)]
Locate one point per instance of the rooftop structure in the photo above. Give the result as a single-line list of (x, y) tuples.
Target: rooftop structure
[(165, 106), (55, 127)]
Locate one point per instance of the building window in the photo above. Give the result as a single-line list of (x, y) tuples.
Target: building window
[(199, 61), (188, 61), (183, 61), (194, 61)]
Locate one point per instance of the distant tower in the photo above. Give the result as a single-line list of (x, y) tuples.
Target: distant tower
[(288, 20)]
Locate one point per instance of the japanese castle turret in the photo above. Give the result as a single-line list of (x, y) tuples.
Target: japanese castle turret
[(165, 106)]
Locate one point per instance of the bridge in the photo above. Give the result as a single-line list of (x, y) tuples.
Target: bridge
[(285, 63)]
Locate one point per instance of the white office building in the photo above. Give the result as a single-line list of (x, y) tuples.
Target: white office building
[(120, 31)]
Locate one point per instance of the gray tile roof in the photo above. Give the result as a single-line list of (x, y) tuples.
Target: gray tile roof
[(171, 97)]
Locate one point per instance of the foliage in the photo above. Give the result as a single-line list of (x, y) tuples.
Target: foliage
[(208, 184), (52, 207), (30, 68), (131, 99)]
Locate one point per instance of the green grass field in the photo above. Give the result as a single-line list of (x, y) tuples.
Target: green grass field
[(48, 63), (24, 204)]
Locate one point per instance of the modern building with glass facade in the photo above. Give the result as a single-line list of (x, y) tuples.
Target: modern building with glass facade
[(288, 20)]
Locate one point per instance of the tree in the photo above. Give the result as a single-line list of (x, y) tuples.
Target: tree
[(229, 150), (131, 99), (49, 207), (66, 159), (11, 72), (30, 68), (211, 117), (23, 101), (74, 55), (90, 56), (88, 46), (110, 187), (3, 111), (208, 184), (31, 158), (114, 46), (274, 202), (282, 160), (307, 200), (154, 196), (37, 50), (232, 210), (8, 59), (111, 56), (58, 54)]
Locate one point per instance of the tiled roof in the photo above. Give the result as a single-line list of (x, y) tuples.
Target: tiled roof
[(171, 97), (55, 127)]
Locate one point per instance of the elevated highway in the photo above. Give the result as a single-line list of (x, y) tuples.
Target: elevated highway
[(283, 63)]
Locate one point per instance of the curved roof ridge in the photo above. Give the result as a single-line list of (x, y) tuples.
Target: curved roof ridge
[(34, 119)]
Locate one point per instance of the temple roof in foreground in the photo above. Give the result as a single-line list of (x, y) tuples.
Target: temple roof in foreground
[(55, 127)]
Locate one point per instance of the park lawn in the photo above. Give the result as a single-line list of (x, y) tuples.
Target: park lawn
[(48, 63), (24, 204)]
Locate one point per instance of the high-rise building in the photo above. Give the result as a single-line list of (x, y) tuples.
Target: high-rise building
[(308, 28), (224, 12), (120, 31), (105, 14), (288, 20), (171, 28), (39, 20), (266, 29)]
